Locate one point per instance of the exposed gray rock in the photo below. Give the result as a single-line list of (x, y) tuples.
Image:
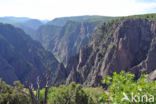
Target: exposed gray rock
[(126, 44)]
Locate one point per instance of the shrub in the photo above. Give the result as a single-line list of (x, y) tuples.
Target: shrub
[(123, 85)]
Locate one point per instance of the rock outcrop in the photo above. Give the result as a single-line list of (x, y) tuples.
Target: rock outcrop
[(22, 58), (64, 37), (152, 75), (126, 44)]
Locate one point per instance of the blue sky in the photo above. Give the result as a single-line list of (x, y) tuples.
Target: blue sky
[(49, 9)]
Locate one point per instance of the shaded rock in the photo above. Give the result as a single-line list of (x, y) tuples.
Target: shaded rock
[(64, 37), (22, 58)]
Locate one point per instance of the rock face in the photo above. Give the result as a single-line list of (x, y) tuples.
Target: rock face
[(64, 37), (67, 40), (125, 44), (47, 34), (22, 58), (152, 75)]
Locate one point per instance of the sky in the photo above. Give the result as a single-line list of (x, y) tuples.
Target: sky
[(50, 9)]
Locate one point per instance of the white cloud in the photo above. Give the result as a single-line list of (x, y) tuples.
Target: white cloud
[(49, 9)]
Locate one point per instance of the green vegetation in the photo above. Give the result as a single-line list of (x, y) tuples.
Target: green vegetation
[(72, 94), (94, 93), (123, 85), (13, 95), (120, 86), (145, 16)]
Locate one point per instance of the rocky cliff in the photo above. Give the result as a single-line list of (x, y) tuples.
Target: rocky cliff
[(124, 44), (66, 40), (22, 58)]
